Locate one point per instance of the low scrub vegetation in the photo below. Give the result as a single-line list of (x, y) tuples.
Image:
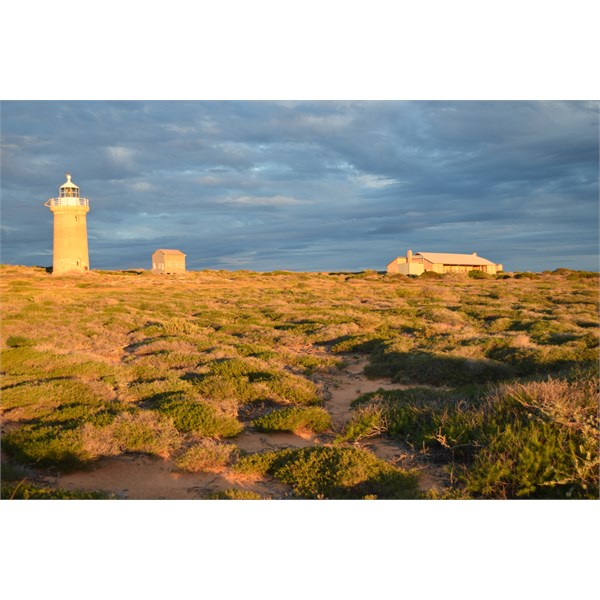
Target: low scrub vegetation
[(295, 420), (502, 373), (537, 439), (189, 415), (330, 472), (234, 494), (29, 491), (208, 456)]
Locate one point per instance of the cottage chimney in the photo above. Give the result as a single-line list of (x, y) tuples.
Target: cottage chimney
[(409, 256), (474, 253)]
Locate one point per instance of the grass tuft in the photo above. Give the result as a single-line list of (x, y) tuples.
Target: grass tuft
[(295, 420), (207, 456)]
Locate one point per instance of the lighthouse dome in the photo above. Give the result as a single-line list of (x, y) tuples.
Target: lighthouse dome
[(69, 189)]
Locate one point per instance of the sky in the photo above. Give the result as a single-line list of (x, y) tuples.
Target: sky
[(306, 185)]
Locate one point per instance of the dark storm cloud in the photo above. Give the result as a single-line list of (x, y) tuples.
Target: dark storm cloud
[(307, 185)]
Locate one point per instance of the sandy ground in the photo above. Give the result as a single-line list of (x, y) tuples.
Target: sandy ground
[(145, 477), (149, 478), (348, 384)]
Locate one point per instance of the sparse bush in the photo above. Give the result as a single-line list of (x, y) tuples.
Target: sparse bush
[(575, 275), (295, 420), (208, 456), (198, 417), (144, 431), (46, 446), (25, 490), (18, 341), (435, 368), (234, 494), (548, 449), (474, 274), (367, 421), (540, 359), (532, 440)]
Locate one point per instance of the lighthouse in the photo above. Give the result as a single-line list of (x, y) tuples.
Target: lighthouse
[(70, 229)]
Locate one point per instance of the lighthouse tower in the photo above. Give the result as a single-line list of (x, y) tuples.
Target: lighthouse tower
[(70, 229)]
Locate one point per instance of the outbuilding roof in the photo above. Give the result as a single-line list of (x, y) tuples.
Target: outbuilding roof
[(454, 259), (168, 251)]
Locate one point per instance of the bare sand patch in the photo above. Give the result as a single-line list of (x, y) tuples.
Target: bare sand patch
[(255, 441), (140, 477), (347, 384)]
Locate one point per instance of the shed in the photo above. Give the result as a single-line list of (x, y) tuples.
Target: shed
[(168, 261), (441, 262)]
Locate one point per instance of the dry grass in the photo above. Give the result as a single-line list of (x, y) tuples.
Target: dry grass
[(131, 432), (208, 456)]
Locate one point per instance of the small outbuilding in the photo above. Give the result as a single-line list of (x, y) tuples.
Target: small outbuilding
[(441, 262), (168, 261)]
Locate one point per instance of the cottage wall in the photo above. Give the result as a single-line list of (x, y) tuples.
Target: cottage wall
[(400, 265)]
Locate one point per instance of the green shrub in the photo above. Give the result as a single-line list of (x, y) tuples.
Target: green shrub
[(549, 446), (575, 275), (46, 445), (294, 389), (246, 382), (234, 494), (326, 472), (366, 421), (540, 359), (190, 415), (474, 274), (435, 368), (144, 431), (431, 275), (256, 351), (30, 491), (419, 416), (208, 456), (17, 341), (259, 463), (538, 460), (531, 440), (295, 420)]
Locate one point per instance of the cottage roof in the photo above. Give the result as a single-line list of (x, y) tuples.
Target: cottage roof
[(169, 251), (454, 259)]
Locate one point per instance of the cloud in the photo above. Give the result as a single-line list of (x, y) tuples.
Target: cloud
[(263, 201), (143, 186)]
